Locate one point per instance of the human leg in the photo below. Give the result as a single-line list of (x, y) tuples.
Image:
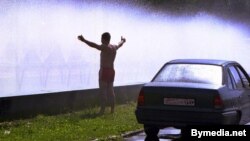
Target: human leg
[(103, 96), (106, 79), (111, 96)]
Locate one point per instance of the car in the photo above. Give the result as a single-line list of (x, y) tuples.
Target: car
[(195, 92)]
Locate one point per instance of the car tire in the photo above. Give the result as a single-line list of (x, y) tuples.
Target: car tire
[(151, 133), (238, 118)]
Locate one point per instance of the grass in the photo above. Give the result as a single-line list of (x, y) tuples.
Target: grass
[(84, 125)]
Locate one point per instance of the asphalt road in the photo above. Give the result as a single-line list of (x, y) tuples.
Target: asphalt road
[(167, 134)]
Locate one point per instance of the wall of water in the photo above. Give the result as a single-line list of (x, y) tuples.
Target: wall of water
[(39, 50)]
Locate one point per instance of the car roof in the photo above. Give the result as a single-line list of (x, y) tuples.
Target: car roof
[(201, 61)]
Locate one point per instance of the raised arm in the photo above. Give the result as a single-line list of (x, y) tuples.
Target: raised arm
[(123, 40), (89, 43)]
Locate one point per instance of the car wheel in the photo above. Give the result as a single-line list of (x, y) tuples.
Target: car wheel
[(238, 118), (151, 132)]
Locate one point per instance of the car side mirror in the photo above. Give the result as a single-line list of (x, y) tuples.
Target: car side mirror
[(246, 83)]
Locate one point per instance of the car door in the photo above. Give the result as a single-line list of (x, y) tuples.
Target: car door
[(234, 90), (241, 87), (246, 91)]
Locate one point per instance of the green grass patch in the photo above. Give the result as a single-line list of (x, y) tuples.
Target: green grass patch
[(84, 125)]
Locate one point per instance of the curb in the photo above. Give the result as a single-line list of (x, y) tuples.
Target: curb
[(125, 135), (132, 133)]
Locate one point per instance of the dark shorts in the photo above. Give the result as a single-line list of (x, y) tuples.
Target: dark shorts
[(107, 74)]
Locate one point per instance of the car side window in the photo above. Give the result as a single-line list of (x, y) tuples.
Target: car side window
[(230, 84), (243, 78), (236, 77)]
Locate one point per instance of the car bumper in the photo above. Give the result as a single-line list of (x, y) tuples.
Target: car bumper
[(183, 118)]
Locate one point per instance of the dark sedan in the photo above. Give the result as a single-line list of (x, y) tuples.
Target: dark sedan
[(195, 92)]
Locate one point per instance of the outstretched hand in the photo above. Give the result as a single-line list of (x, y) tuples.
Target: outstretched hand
[(123, 39), (81, 38)]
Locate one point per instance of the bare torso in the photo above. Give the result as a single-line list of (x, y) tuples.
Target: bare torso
[(108, 54)]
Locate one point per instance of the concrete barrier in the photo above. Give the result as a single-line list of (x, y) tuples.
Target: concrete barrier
[(27, 106)]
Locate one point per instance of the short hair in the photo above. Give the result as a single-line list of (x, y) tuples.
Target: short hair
[(106, 36)]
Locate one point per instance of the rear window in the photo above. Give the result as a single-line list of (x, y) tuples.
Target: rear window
[(190, 73)]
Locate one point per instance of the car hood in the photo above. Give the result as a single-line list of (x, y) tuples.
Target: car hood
[(184, 85)]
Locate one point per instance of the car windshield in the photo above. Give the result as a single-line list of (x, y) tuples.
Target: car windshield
[(191, 73)]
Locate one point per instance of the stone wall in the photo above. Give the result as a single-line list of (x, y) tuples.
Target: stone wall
[(60, 102)]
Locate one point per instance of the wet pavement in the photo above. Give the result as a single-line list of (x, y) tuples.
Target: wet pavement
[(166, 134)]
